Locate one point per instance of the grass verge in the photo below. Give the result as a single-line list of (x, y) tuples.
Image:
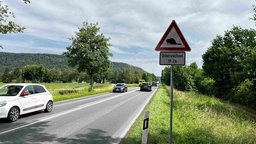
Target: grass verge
[(64, 91), (196, 119)]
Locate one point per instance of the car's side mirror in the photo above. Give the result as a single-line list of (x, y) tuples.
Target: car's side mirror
[(25, 93)]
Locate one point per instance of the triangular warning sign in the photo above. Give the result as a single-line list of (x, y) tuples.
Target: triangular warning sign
[(173, 40)]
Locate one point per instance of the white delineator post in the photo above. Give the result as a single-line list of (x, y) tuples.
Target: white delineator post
[(145, 128)]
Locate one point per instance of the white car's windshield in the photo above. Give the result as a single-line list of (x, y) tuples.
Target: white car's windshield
[(10, 90)]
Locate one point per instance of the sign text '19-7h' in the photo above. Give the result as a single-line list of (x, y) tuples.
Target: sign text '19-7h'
[(172, 58)]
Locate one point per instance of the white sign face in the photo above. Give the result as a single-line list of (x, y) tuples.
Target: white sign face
[(172, 58), (173, 40)]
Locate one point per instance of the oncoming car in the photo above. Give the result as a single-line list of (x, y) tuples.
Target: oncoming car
[(22, 98), (120, 87)]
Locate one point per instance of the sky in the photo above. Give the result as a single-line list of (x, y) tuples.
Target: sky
[(135, 27)]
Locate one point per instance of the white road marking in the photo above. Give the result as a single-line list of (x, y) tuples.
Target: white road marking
[(65, 112)]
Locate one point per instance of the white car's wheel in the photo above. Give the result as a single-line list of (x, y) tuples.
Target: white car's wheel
[(49, 106), (13, 114)]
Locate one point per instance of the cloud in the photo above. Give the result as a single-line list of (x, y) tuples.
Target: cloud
[(135, 26)]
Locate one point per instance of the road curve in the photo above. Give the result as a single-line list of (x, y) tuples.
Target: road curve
[(99, 119)]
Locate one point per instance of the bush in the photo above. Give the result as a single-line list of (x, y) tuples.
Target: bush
[(63, 92), (206, 86), (245, 93)]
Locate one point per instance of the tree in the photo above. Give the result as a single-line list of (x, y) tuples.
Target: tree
[(7, 26), (89, 52), (228, 60), (183, 77), (165, 76), (34, 73), (16, 75), (6, 78)]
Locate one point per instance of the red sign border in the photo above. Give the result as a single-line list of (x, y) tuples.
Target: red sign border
[(173, 25)]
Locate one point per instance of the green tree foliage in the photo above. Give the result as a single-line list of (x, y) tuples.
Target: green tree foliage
[(230, 62), (34, 73), (6, 78), (184, 77), (130, 75), (16, 75), (245, 93), (52, 75), (89, 52), (11, 76), (59, 71), (39, 73), (165, 76), (189, 78), (227, 61), (6, 25)]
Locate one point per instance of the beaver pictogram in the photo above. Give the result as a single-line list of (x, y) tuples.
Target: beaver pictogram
[(172, 41)]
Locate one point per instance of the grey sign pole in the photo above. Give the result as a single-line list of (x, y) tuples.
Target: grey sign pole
[(171, 103)]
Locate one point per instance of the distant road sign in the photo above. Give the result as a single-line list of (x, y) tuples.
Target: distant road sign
[(173, 40), (172, 58)]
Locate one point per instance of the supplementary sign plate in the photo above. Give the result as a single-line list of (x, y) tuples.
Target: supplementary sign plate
[(172, 58)]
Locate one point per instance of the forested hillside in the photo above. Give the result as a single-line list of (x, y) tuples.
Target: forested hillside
[(54, 68), (51, 61)]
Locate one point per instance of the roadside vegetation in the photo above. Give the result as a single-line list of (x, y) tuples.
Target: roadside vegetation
[(64, 91), (228, 70), (196, 119)]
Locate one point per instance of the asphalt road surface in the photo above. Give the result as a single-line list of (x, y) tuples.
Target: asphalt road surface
[(99, 119)]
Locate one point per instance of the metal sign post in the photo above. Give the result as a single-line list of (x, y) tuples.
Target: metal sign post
[(171, 103)]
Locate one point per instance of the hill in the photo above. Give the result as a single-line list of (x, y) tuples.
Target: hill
[(19, 60)]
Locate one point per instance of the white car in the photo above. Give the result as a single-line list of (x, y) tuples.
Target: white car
[(23, 98)]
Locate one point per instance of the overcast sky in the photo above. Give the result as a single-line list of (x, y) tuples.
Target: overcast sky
[(134, 26)]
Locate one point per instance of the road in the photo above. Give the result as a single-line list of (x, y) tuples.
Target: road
[(98, 119)]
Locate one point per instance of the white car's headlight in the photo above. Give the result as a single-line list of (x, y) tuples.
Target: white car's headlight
[(3, 103)]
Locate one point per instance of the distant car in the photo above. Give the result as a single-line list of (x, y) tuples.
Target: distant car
[(145, 86), (154, 83), (120, 87), (22, 98)]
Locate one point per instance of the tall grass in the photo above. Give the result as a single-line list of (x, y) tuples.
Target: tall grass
[(63, 91), (197, 119), (158, 121)]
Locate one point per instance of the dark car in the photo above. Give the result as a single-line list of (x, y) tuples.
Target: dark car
[(120, 87), (154, 83), (145, 86)]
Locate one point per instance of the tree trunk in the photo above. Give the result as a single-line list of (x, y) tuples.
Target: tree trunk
[(91, 85)]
